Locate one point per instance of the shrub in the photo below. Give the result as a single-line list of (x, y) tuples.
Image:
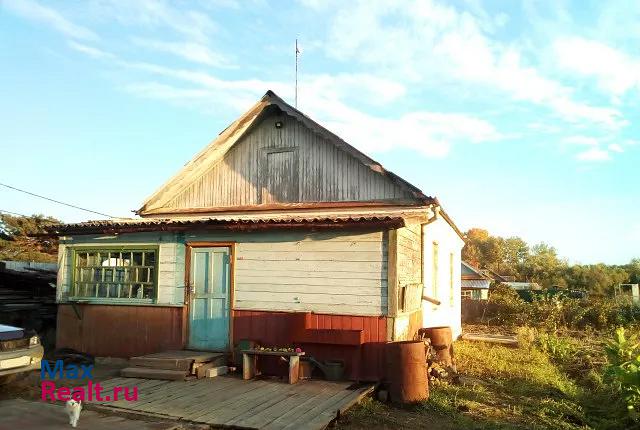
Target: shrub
[(623, 371), (552, 312)]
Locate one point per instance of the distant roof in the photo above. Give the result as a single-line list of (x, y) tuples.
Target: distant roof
[(523, 285), (476, 283), (470, 272)]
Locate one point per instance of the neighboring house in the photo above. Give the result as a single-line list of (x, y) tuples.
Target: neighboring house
[(496, 277), (279, 232), (523, 286), (475, 284)]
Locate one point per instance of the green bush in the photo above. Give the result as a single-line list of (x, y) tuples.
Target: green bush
[(505, 307), (623, 353)]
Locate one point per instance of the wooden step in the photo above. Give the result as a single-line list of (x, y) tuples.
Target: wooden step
[(162, 363), (186, 364), (148, 373)]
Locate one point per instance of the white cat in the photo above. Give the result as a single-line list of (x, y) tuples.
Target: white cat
[(73, 408)]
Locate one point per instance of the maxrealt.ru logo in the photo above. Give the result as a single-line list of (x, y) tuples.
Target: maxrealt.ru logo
[(92, 391)]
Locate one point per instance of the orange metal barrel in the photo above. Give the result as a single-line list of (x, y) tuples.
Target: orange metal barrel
[(406, 371), (442, 342)]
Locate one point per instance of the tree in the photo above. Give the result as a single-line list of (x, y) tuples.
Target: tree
[(544, 267), (16, 242), (472, 252), (540, 263)]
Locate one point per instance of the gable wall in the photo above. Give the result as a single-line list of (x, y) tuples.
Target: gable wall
[(323, 173)]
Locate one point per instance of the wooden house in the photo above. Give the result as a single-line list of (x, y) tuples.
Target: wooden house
[(279, 232)]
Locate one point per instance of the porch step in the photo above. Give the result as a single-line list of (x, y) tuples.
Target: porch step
[(173, 365), (147, 373)]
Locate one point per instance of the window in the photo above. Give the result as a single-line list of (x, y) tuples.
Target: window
[(451, 298), (434, 273), (466, 294), (115, 274)]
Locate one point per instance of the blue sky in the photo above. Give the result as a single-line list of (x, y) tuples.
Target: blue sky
[(521, 117)]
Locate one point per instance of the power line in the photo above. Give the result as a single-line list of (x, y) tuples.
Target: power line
[(24, 216), (55, 201), (13, 213)]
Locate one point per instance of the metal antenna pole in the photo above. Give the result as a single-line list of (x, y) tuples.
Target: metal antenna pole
[(296, 96)]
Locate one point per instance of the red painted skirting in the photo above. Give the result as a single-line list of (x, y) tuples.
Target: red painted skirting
[(120, 331), (358, 340)]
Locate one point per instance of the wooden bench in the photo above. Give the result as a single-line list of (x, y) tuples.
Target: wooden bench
[(250, 356)]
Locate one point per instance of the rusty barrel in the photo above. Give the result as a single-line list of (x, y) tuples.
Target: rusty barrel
[(442, 343), (406, 371)]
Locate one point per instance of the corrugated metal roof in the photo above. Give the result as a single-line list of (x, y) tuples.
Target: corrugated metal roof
[(159, 224), (474, 283)]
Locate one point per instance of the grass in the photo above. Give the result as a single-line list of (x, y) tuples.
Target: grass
[(531, 387)]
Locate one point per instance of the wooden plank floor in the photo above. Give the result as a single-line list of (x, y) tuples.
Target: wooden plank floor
[(231, 402)]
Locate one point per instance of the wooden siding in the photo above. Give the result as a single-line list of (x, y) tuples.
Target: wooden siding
[(325, 172), (363, 362), (120, 331), (327, 272), (316, 272), (409, 266)]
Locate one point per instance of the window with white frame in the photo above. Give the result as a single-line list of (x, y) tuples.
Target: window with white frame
[(120, 274)]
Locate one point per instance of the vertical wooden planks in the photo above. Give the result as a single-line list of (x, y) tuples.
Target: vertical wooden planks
[(329, 173)]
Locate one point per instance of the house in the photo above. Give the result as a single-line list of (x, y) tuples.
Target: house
[(279, 232), (523, 286), (475, 283)]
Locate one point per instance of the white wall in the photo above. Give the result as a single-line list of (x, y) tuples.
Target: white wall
[(448, 313)]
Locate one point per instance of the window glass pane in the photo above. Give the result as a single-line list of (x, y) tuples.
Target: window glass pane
[(102, 290), (113, 290), (137, 259), (81, 259), (92, 259), (115, 274), (150, 259), (137, 291)]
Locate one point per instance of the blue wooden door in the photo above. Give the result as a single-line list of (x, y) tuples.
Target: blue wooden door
[(209, 307)]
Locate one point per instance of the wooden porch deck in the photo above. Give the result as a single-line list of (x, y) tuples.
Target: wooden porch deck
[(228, 401)]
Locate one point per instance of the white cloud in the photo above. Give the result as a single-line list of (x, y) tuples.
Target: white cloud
[(192, 51), (153, 14), (430, 133), (582, 140), (34, 11), (90, 51), (615, 71), (436, 42), (594, 154), (615, 147)]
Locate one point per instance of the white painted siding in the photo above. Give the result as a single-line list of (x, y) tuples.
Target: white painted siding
[(445, 314), (324, 272)]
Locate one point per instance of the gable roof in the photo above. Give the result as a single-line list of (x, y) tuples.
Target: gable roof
[(217, 149), (470, 272)]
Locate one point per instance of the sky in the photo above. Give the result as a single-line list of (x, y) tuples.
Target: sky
[(519, 116)]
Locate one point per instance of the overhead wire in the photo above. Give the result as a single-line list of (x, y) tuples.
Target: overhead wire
[(56, 201)]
